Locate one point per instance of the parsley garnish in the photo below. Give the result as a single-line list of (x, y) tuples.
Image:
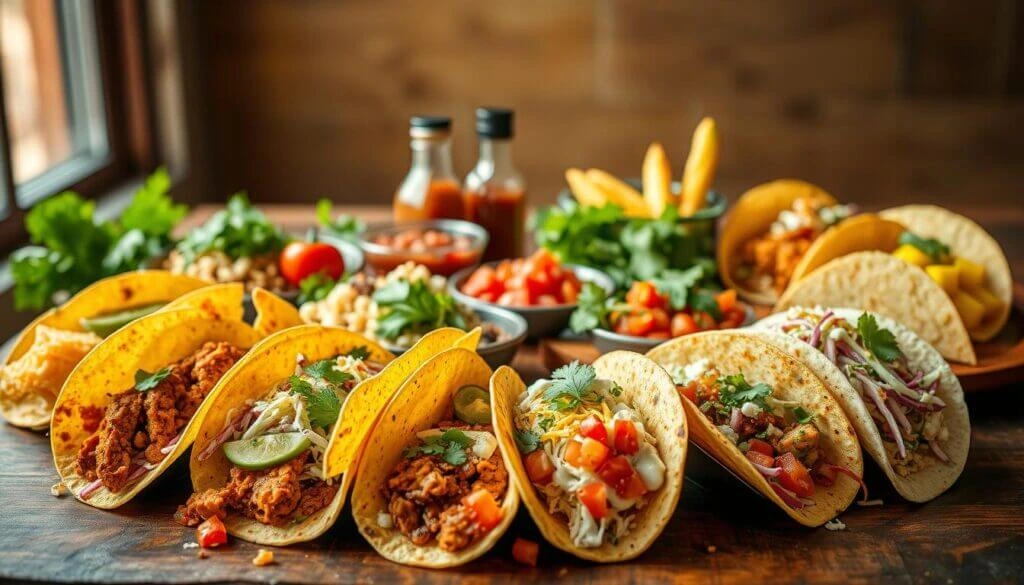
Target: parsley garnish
[(735, 391), (880, 342), (935, 249), (359, 353), (802, 416), (322, 400), (570, 385), (148, 380), (451, 445), (527, 441), (325, 370)]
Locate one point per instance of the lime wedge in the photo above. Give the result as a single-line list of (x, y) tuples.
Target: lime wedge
[(265, 451), (104, 325)]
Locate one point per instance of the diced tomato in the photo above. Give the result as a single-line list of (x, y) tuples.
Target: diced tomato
[(639, 324), (547, 300), (689, 391), (211, 533), (488, 297), (525, 552), (621, 324), (620, 475), (705, 321), (634, 487), (658, 335), (661, 319), (539, 467), (761, 447), (539, 283), (486, 510), (794, 476), (733, 318), (626, 441), (514, 298), (824, 474), (595, 497), (683, 324), (586, 454), (504, 271), (594, 428), (644, 295), (760, 458), (484, 280), (542, 261), (570, 291), (726, 300)]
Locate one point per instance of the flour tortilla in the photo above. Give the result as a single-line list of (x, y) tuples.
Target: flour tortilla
[(648, 389), (268, 363), (422, 402), (967, 240), (923, 485), (732, 352), (881, 283)]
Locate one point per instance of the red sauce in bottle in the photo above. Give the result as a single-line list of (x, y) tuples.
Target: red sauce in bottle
[(442, 199), (502, 213)]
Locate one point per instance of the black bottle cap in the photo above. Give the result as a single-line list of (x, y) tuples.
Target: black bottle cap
[(430, 124), (494, 122)]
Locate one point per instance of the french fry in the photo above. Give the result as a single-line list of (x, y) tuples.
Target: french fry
[(618, 192), (657, 179), (584, 192), (700, 167)]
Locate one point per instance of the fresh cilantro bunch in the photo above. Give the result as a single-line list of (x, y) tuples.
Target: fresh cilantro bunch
[(734, 390), (450, 445), (412, 306), (880, 342), (239, 230), (571, 385), (933, 248), (323, 392), (72, 250), (343, 226)]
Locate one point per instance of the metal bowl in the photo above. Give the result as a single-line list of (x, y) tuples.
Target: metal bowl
[(547, 321), (606, 341), (495, 354)]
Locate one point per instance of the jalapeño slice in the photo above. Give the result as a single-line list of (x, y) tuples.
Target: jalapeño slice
[(265, 451), (473, 405), (104, 325)]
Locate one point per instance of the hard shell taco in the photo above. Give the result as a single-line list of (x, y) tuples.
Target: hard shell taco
[(769, 419), (51, 346), (902, 398), (597, 452), (767, 232), (258, 461), (133, 405), (433, 489)]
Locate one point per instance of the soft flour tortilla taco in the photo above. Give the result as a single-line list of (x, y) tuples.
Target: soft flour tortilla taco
[(767, 232), (432, 489), (132, 406), (52, 345), (884, 284), (597, 452), (258, 461), (769, 419), (900, 395)]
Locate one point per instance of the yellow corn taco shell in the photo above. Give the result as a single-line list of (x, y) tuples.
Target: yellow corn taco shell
[(149, 343), (881, 283), (272, 312), (967, 240), (219, 301), (29, 387), (268, 363), (735, 352), (920, 486), (857, 234), (752, 216), (420, 404), (364, 406), (650, 391)]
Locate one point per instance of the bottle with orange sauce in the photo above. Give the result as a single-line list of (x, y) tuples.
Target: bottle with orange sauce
[(430, 190), (494, 192)]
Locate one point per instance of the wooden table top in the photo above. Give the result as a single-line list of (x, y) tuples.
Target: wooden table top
[(721, 532)]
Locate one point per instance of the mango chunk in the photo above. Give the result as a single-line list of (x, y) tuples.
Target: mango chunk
[(948, 277), (912, 255), (972, 276), (993, 304), (971, 310)]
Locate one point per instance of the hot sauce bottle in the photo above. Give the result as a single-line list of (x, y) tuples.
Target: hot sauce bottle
[(430, 190), (494, 191)]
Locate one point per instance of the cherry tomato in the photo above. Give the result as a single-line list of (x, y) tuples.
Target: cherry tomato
[(486, 510), (689, 391), (211, 533), (484, 280), (661, 319), (525, 551), (726, 300), (626, 441), (794, 476), (595, 497), (640, 324), (539, 468), (644, 295), (705, 321), (762, 447), (733, 318), (301, 259), (683, 324), (760, 458)]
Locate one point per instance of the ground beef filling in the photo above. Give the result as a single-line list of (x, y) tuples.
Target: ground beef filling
[(141, 424), (424, 496), (275, 496)]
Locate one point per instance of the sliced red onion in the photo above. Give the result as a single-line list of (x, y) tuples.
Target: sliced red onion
[(239, 422), (830, 349), (898, 413), (90, 489), (915, 380), (766, 471), (848, 352), (170, 446), (907, 401), (736, 419), (872, 391), (852, 475), (938, 451), (816, 334), (791, 499)]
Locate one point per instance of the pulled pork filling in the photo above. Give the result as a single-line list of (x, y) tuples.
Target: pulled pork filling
[(139, 428), (436, 496)]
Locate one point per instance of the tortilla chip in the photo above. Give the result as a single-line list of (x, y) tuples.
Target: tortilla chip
[(420, 404), (881, 283), (267, 364), (272, 312), (967, 240), (856, 234), (923, 485), (648, 389), (752, 216), (734, 352)]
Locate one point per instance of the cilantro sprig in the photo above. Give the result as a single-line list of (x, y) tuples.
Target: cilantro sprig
[(325, 370), (527, 441), (933, 248), (360, 352), (239, 230), (343, 226), (734, 390), (315, 287), (322, 400), (148, 380), (880, 342), (410, 306), (570, 386), (450, 445)]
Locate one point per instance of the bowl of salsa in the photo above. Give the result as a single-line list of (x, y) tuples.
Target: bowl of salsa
[(444, 246)]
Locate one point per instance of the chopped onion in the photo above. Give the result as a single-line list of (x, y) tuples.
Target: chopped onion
[(938, 451), (736, 419), (791, 499)]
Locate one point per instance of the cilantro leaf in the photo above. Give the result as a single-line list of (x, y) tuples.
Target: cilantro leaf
[(570, 385), (151, 211), (705, 301), (676, 285), (359, 353), (801, 415), (148, 380), (315, 287), (240, 230), (322, 400), (342, 226), (734, 390), (527, 441), (411, 306), (325, 370), (451, 445), (880, 342), (935, 249), (591, 309)]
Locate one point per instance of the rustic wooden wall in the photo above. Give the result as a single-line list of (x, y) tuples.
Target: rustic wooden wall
[(877, 100)]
